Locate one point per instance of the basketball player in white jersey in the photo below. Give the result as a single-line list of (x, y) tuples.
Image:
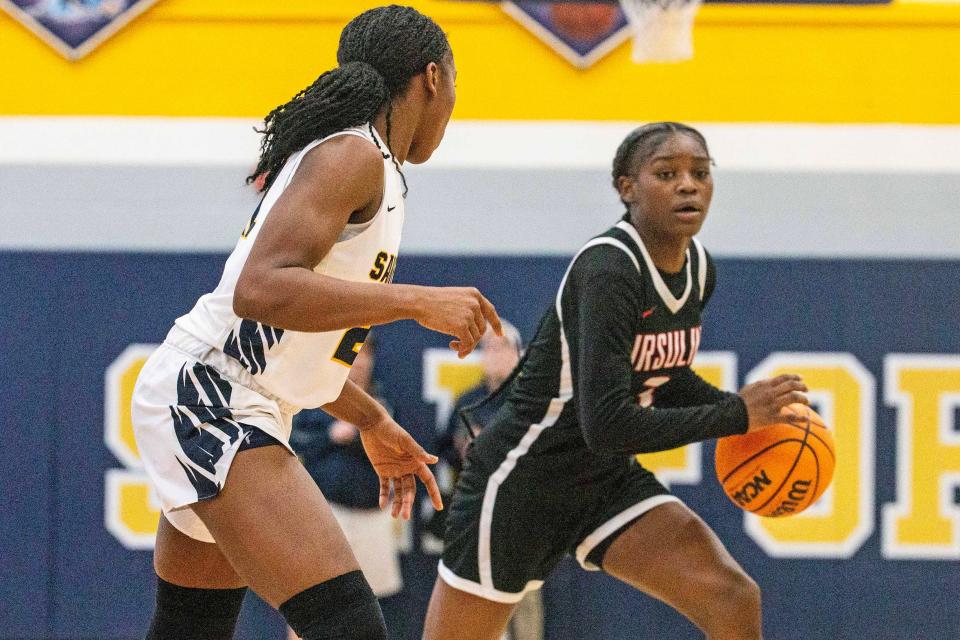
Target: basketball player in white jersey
[(310, 274)]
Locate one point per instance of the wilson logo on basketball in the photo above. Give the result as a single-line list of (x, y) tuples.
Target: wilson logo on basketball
[(797, 493), (751, 489), (796, 456)]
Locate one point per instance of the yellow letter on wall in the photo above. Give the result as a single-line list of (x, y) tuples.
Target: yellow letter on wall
[(844, 393), (131, 510), (445, 377), (924, 522)]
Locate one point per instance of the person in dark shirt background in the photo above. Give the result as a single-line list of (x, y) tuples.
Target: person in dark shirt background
[(499, 355)]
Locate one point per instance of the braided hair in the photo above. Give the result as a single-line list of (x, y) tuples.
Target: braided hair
[(641, 143), (380, 51)]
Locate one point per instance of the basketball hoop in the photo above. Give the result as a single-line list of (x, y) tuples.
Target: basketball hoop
[(662, 29)]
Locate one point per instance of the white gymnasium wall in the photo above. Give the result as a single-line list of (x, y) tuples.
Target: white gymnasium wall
[(120, 184)]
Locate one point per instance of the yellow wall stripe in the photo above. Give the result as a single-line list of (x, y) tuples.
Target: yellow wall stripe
[(760, 63)]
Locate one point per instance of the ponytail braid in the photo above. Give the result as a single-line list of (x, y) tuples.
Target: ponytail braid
[(345, 97), (380, 51)]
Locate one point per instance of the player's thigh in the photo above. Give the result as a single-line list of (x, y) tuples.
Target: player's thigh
[(671, 554), (458, 615), (274, 526), (183, 561)]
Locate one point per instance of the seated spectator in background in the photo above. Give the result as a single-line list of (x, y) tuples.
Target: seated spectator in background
[(499, 356), (333, 455)]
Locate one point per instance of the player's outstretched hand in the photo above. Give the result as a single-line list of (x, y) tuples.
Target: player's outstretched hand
[(461, 312), (765, 399), (397, 458)]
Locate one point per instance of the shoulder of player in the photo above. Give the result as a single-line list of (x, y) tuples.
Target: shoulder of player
[(696, 241), (708, 259), (600, 271), (709, 271), (697, 248), (347, 161), (603, 257)]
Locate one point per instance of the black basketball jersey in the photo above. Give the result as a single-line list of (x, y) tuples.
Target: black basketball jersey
[(608, 373)]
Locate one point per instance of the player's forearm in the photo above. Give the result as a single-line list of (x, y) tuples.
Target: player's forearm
[(613, 422), (357, 407), (620, 427), (686, 389), (298, 299)]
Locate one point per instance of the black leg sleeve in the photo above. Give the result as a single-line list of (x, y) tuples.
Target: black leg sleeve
[(343, 608), (184, 613)]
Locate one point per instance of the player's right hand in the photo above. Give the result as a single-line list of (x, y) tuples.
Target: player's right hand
[(765, 399), (398, 460), (461, 312)]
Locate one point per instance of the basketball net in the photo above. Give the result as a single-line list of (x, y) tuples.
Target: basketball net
[(662, 29)]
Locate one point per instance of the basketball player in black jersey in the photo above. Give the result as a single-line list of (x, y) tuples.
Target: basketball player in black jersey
[(608, 376)]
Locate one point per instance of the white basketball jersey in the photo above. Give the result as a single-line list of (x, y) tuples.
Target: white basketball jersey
[(304, 369)]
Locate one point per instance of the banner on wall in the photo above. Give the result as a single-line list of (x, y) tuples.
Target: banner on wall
[(585, 32), (75, 27), (581, 33)]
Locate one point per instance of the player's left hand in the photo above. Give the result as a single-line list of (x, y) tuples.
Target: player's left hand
[(397, 458)]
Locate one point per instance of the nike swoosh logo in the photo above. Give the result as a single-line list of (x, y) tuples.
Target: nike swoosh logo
[(389, 208), (649, 312)]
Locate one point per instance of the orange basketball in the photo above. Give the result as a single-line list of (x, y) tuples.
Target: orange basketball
[(779, 470)]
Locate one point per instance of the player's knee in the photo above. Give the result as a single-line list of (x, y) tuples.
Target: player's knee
[(726, 587), (344, 607), (734, 598), (742, 593), (187, 613)]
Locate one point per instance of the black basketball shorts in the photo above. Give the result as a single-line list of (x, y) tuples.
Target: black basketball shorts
[(507, 530)]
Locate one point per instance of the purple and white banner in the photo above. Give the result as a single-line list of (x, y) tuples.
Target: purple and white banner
[(75, 27)]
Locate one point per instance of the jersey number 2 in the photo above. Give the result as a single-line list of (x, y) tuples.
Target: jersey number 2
[(350, 344)]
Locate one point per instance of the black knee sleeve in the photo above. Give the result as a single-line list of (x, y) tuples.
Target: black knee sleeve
[(184, 613), (342, 608)]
